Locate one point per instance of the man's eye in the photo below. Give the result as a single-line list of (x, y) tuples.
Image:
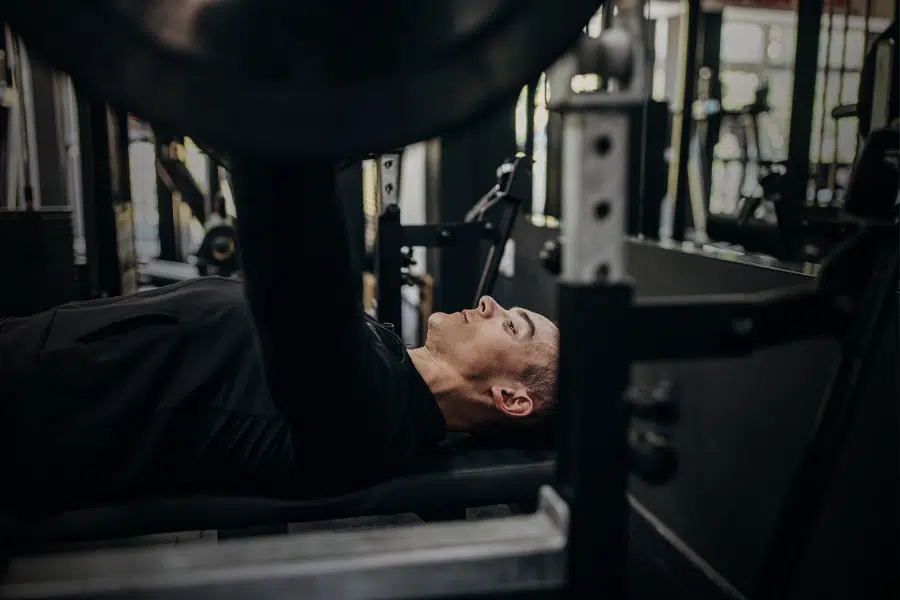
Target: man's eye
[(511, 326)]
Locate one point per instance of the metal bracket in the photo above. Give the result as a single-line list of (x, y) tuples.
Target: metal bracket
[(388, 179), (595, 196)]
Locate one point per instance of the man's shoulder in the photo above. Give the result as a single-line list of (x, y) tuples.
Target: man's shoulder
[(216, 287), (205, 296), (383, 337)]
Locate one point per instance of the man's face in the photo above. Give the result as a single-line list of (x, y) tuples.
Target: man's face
[(492, 346)]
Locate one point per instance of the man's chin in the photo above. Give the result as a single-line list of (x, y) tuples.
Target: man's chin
[(435, 324), (436, 319)]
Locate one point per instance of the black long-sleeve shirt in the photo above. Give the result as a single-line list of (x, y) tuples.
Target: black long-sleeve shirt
[(164, 392)]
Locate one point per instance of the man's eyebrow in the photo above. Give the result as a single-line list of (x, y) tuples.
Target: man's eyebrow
[(528, 320)]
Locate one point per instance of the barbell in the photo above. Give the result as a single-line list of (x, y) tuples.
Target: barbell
[(301, 78)]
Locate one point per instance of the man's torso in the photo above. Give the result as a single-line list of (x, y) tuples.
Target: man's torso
[(163, 393)]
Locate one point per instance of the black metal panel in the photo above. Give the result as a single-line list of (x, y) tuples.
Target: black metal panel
[(662, 565), (594, 318), (855, 551), (744, 424)]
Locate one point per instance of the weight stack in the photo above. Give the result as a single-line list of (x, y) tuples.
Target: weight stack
[(37, 260)]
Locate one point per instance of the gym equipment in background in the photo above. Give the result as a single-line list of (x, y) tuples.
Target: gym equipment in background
[(219, 252), (800, 230), (583, 515), (391, 265), (180, 202)]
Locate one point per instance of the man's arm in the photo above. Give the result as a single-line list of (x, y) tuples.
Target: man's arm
[(303, 285)]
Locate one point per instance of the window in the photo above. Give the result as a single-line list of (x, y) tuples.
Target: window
[(738, 88), (827, 134), (763, 50), (742, 42), (780, 50), (856, 48)]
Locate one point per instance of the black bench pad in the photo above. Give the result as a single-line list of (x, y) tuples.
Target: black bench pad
[(452, 480)]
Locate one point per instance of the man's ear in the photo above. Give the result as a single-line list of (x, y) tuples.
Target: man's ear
[(512, 401)]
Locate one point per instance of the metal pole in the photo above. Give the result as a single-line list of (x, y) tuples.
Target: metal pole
[(809, 20), (388, 256), (825, 75), (683, 121), (595, 299), (832, 171), (594, 304), (867, 15)]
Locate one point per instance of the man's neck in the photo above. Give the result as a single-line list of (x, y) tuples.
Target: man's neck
[(447, 386)]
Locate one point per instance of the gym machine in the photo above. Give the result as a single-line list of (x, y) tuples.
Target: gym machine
[(574, 544), (799, 229), (392, 262), (179, 201), (742, 227), (179, 198)]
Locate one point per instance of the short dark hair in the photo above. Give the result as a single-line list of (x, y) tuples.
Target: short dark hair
[(537, 430), (541, 381)]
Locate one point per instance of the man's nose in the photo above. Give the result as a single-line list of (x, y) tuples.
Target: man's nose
[(487, 306)]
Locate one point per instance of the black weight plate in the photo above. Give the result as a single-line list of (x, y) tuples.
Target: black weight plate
[(301, 78)]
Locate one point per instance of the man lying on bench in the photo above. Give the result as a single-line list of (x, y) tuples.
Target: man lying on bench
[(164, 393)]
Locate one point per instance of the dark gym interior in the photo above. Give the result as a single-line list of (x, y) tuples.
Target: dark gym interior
[(690, 207)]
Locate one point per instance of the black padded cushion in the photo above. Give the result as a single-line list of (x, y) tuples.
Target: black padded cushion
[(454, 478)]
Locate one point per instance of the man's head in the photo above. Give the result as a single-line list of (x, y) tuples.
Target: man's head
[(501, 364)]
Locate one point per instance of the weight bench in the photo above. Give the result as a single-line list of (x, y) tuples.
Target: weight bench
[(445, 483), (163, 272)]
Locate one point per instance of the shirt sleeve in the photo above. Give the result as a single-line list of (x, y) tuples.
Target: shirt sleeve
[(304, 287)]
